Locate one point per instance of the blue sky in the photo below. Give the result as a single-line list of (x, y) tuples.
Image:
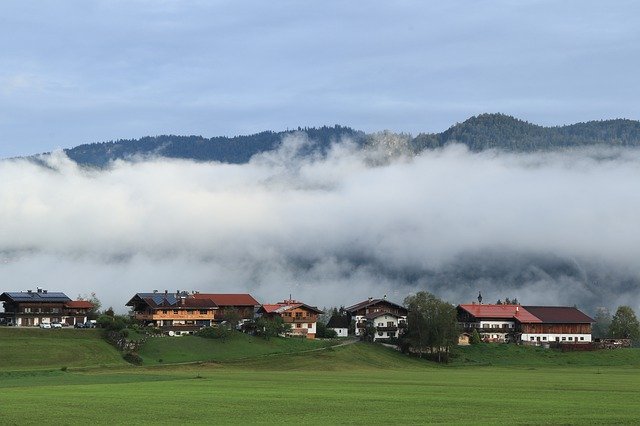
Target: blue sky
[(74, 72)]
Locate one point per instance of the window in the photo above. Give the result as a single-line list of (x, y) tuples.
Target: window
[(380, 333), (531, 338), (298, 325), (298, 314), (203, 312), (380, 324), (175, 311), (309, 325), (389, 323), (581, 338), (564, 338), (27, 310), (164, 311), (544, 338)]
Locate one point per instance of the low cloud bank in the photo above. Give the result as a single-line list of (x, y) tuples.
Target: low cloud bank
[(556, 227)]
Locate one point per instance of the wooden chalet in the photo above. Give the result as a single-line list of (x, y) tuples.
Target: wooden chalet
[(388, 318), (244, 304), (527, 324), (302, 317), (32, 308), (176, 313)]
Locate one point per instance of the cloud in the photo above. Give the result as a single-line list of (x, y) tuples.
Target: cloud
[(557, 227)]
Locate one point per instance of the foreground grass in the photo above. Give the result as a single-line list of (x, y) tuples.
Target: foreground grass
[(358, 384), (32, 348)]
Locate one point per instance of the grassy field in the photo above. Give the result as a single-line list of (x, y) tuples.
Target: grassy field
[(164, 350), (355, 384), (30, 348)]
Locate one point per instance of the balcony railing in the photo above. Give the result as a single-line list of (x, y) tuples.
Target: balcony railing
[(387, 328)]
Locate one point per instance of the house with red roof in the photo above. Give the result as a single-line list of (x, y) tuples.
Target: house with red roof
[(302, 317), (242, 303), (526, 324), (387, 318), (33, 308)]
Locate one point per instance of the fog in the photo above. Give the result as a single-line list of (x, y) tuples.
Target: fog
[(550, 228)]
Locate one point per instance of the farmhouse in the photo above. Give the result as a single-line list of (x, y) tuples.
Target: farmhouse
[(531, 324), (387, 318), (32, 308), (244, 304), (179, 313), (302, 317)]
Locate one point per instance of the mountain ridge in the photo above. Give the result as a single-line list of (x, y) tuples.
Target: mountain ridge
[(478, 133)]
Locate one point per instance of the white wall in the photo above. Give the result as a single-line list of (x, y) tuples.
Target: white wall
[(551, 338)]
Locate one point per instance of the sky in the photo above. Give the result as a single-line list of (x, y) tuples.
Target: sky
[(74, 72)]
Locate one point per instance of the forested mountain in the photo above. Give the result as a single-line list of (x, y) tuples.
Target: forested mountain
[(238, 149), (485, 131), (499, 131)]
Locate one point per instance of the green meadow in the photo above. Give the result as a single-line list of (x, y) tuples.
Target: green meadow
[(284, 382)]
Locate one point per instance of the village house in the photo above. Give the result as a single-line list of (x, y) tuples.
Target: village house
[(242, 303), (387, 318), (185, 312), (302, 317), (526, 324), (176, 313), (35, 308)]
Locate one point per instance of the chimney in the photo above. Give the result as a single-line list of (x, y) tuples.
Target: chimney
[(517, 309)]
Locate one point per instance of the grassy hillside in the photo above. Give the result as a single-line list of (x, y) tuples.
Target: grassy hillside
[(163, 350), (33, 348)]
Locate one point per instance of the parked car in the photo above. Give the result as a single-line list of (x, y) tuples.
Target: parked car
[(78, 325), (56, 325), (45, 325)]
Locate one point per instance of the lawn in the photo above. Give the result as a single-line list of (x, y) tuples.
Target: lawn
[(358, 384)]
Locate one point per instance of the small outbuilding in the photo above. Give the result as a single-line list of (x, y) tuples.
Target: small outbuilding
[(339, 324)]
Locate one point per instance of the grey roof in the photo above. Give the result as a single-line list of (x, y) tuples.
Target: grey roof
[(34, 296), (338, 321)]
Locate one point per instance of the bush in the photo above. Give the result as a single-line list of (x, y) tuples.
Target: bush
[(214, 332), (475, 338), (132, 358)]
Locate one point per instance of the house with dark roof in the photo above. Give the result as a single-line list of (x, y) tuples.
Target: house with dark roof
[(387, 318), (339, 324), (242, 303), (176, 313), (302, 317), (527, 324), (32, 308)]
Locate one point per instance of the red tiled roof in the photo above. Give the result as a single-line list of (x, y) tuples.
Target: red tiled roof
[(288, 305), (79, 304), (516, 312), (559, 314), (229, 299)]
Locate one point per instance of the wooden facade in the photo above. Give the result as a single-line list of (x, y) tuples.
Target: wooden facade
[(32, 308), (302, 317)]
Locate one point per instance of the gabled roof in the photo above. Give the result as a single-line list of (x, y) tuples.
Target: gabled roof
[(79, 304), (559, 314), (515, 312), (235, 299), (370, 302), (338, 321), (374, 315), (34, 296), (287, 305), (169, 300)]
